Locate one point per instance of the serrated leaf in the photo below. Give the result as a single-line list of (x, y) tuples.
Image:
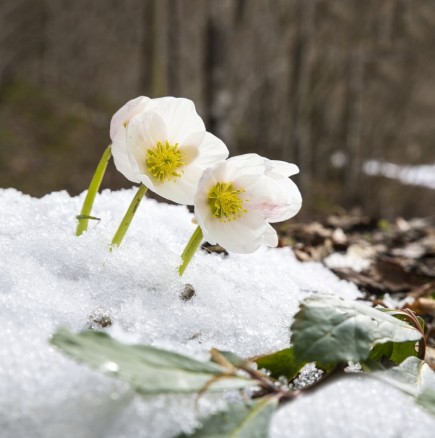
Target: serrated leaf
[(413, 376), (281, 363), (330, 330), (240, 421), (148, 369)]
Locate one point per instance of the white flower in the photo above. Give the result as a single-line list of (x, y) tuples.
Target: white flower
[(163, 144), (237, 199), (118, 134)]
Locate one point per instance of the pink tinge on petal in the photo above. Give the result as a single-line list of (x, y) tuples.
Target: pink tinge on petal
[(275, 199), (270, 210)]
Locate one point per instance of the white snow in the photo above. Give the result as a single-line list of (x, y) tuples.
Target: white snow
[(50, 278), (354, 407), (421, 175), (356, 258)]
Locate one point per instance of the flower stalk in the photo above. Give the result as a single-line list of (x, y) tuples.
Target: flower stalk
[(128, 217), (94, 186), (190, 249)]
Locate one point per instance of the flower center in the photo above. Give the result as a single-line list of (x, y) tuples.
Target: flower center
[(225, 202), (164, 161)]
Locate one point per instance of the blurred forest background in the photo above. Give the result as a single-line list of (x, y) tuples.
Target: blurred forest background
[(327, 84)]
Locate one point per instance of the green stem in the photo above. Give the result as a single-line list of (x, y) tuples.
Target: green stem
[(92, 191), (190, 249), (129, 215)]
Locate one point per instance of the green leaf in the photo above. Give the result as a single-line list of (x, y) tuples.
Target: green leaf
[(281, 363), (330, 330), (396, 352), (404, 316), (148, 369), (413, 376), (427, 400), (422, 322), (241, 421)]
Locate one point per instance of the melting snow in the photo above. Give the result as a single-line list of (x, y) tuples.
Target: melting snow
[(50, 278)]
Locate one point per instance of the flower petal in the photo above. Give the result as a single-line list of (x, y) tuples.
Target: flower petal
[(270, 237), (268, 196), (242, 236), (125, 113), (144, 131), (244, 165), (174, 123), (278, 169), (199, 151), (206, 182), (277, 200), (121, 156), (210, 149), (180, 117), (181, 190)]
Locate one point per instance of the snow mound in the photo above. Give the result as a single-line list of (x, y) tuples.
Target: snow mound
[(354, 407), (50, 278)]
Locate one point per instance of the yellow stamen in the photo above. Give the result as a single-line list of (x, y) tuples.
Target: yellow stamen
[(164, 161), (225, 202)]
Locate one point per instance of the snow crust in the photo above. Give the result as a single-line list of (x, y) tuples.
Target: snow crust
[(50, 278)]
